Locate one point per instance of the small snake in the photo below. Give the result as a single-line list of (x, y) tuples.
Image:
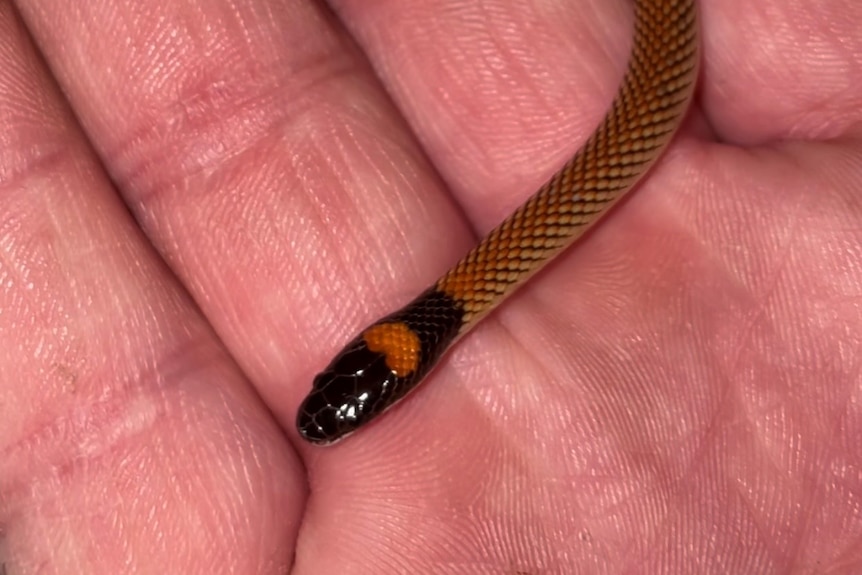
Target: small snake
[(390, 358)]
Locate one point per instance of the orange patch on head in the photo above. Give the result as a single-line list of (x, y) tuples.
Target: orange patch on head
[(399, 345)]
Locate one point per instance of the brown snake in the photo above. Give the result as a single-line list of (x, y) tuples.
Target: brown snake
[(392, 356)]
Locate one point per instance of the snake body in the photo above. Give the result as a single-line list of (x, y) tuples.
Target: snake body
[(391, 357)]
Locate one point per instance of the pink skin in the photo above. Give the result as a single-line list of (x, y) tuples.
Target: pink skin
[(680, 393)]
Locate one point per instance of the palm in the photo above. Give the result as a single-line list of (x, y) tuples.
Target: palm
[(679, 393)]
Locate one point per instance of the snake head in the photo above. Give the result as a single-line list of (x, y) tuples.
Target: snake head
[(354, 389)]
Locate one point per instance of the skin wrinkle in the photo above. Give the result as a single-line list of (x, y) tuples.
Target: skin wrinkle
[(78, 427)]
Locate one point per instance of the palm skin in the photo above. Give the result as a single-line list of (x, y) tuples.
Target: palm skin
[(202, 200)]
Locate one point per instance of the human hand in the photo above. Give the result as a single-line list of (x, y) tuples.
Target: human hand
[(677, 393)]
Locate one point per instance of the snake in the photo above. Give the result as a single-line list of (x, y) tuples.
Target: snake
[(392, 356)]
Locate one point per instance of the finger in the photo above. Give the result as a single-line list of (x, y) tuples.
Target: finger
[(263, 160), (780, 70), (128, 438), (499, 93)]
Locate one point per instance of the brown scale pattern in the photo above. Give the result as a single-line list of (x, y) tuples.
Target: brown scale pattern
[(641, 121)]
